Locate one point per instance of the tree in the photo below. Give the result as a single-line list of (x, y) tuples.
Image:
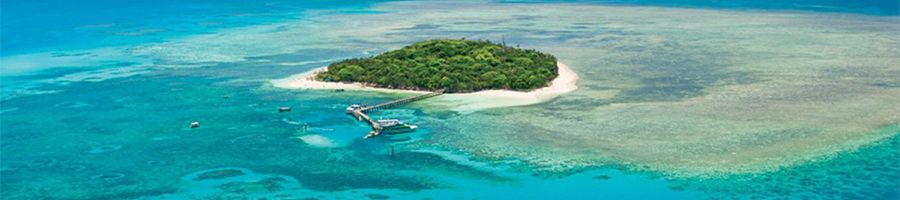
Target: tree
[(445, 82), (349, 72), (459, 65)]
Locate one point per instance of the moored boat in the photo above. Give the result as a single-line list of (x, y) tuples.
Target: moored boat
[(395, 126)]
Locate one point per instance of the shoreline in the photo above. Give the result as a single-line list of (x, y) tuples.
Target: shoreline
[(564, 83)]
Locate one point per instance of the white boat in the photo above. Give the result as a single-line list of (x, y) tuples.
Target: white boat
[(395, 126)]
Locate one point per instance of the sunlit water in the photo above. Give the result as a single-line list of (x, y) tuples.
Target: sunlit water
[(697, 101)]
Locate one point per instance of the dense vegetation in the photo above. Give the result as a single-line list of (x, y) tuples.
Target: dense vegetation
[(454, 65)]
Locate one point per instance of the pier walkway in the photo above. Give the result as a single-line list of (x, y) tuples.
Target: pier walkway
[(360, 111)]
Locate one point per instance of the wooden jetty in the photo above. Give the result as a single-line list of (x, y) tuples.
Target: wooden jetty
[(359, 111)]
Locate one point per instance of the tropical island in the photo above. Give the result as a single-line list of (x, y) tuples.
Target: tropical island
[(477, 74), (453, 65)]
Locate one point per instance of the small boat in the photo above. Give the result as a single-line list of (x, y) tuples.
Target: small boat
[(371, 134), (353, 107), (284, 109), (391, 126), (339, 90), (195, 124)]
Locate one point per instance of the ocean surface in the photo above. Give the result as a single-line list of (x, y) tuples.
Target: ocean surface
[(690, 99)]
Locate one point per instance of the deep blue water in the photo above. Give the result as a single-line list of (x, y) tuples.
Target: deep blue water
[(125, 138), (867, 7), (33, 26)]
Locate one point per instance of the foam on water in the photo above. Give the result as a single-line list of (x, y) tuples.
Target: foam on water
[(317, 140)]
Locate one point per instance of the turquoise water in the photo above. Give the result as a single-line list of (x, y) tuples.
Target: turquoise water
[(131, 140), (105, 126), (30, 26), (869, 173)]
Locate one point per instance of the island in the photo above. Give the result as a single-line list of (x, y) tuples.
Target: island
[(475, 74), (452, 65)]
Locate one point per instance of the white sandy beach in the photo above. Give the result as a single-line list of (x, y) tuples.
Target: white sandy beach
[(462, 102)]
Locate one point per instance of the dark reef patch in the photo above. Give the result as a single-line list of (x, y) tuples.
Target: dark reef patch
[(377, 196), (218, 174)]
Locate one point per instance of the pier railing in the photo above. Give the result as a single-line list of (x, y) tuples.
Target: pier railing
[(360, 112), (398, 102)]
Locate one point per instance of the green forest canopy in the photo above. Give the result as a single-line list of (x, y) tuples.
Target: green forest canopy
[(457, 65)]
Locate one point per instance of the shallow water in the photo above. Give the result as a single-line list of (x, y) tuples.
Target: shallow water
[(131, 140), (678, 103)]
